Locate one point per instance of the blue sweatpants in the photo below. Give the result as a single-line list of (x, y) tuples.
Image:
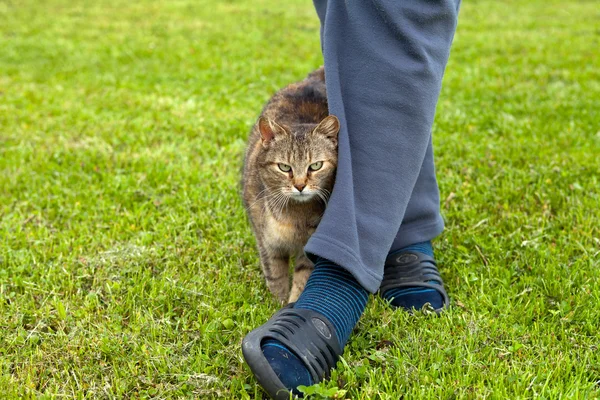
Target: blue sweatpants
[(384, 62)]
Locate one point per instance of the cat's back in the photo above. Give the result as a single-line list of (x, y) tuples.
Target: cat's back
[(303, 102)]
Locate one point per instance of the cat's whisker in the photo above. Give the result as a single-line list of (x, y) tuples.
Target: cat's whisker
[(322, 197), (326, 192), (258, 198), (323, 194), (281, 203), (267, 197), (265, 190), (276, 201), (286, 200), (285, 204), (258, 195)]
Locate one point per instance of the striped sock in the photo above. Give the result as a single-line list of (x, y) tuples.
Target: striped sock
[(333, 292), (416, 297)]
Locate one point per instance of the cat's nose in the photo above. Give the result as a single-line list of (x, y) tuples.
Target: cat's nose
[(300, 186)]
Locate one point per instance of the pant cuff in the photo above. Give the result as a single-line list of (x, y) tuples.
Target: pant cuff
[(346, 258), (417, 233)]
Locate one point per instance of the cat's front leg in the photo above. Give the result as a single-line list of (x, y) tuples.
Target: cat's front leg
[(276, 267), (302, 271)]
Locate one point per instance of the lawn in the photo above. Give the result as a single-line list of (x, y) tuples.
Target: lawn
[(127, 266)]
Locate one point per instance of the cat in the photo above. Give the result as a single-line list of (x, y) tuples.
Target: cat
[(289, 172)]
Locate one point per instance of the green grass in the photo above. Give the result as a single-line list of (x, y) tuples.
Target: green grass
[(127, 267)]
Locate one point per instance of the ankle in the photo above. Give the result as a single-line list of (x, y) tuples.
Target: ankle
[(335, 293), (421, 247)]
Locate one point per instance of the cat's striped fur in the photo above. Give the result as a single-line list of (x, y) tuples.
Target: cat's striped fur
[(285, 206)]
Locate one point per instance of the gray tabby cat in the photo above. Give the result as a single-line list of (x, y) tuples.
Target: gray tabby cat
[(289, 171)]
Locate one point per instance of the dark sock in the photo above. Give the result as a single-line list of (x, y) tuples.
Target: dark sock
[(333, 292), (414, 297)]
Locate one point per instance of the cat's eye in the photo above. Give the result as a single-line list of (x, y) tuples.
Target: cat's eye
[(284, 167), (316, 166)]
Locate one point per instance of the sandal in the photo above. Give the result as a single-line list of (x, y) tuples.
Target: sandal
[(306, 333), (410, 270)]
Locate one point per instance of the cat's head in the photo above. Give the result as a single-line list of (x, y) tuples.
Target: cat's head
[(299, 163)]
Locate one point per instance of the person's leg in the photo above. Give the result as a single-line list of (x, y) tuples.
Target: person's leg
[(422, 222), (384, 62)]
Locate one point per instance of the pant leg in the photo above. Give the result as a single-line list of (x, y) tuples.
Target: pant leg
[(422, 220), (384, 62)]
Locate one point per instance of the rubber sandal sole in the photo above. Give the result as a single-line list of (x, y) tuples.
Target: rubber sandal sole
[(306, 333)]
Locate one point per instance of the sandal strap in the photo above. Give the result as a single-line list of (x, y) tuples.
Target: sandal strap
[(306, 333), (412, 269)]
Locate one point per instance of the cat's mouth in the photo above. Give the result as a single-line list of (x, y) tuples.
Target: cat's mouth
[(302, 196)]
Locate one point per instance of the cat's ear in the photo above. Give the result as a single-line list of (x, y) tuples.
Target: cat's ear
[(268, 129), (329, 127)]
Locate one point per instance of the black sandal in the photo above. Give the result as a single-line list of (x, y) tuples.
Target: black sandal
[(413, 269), (306, 333)]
